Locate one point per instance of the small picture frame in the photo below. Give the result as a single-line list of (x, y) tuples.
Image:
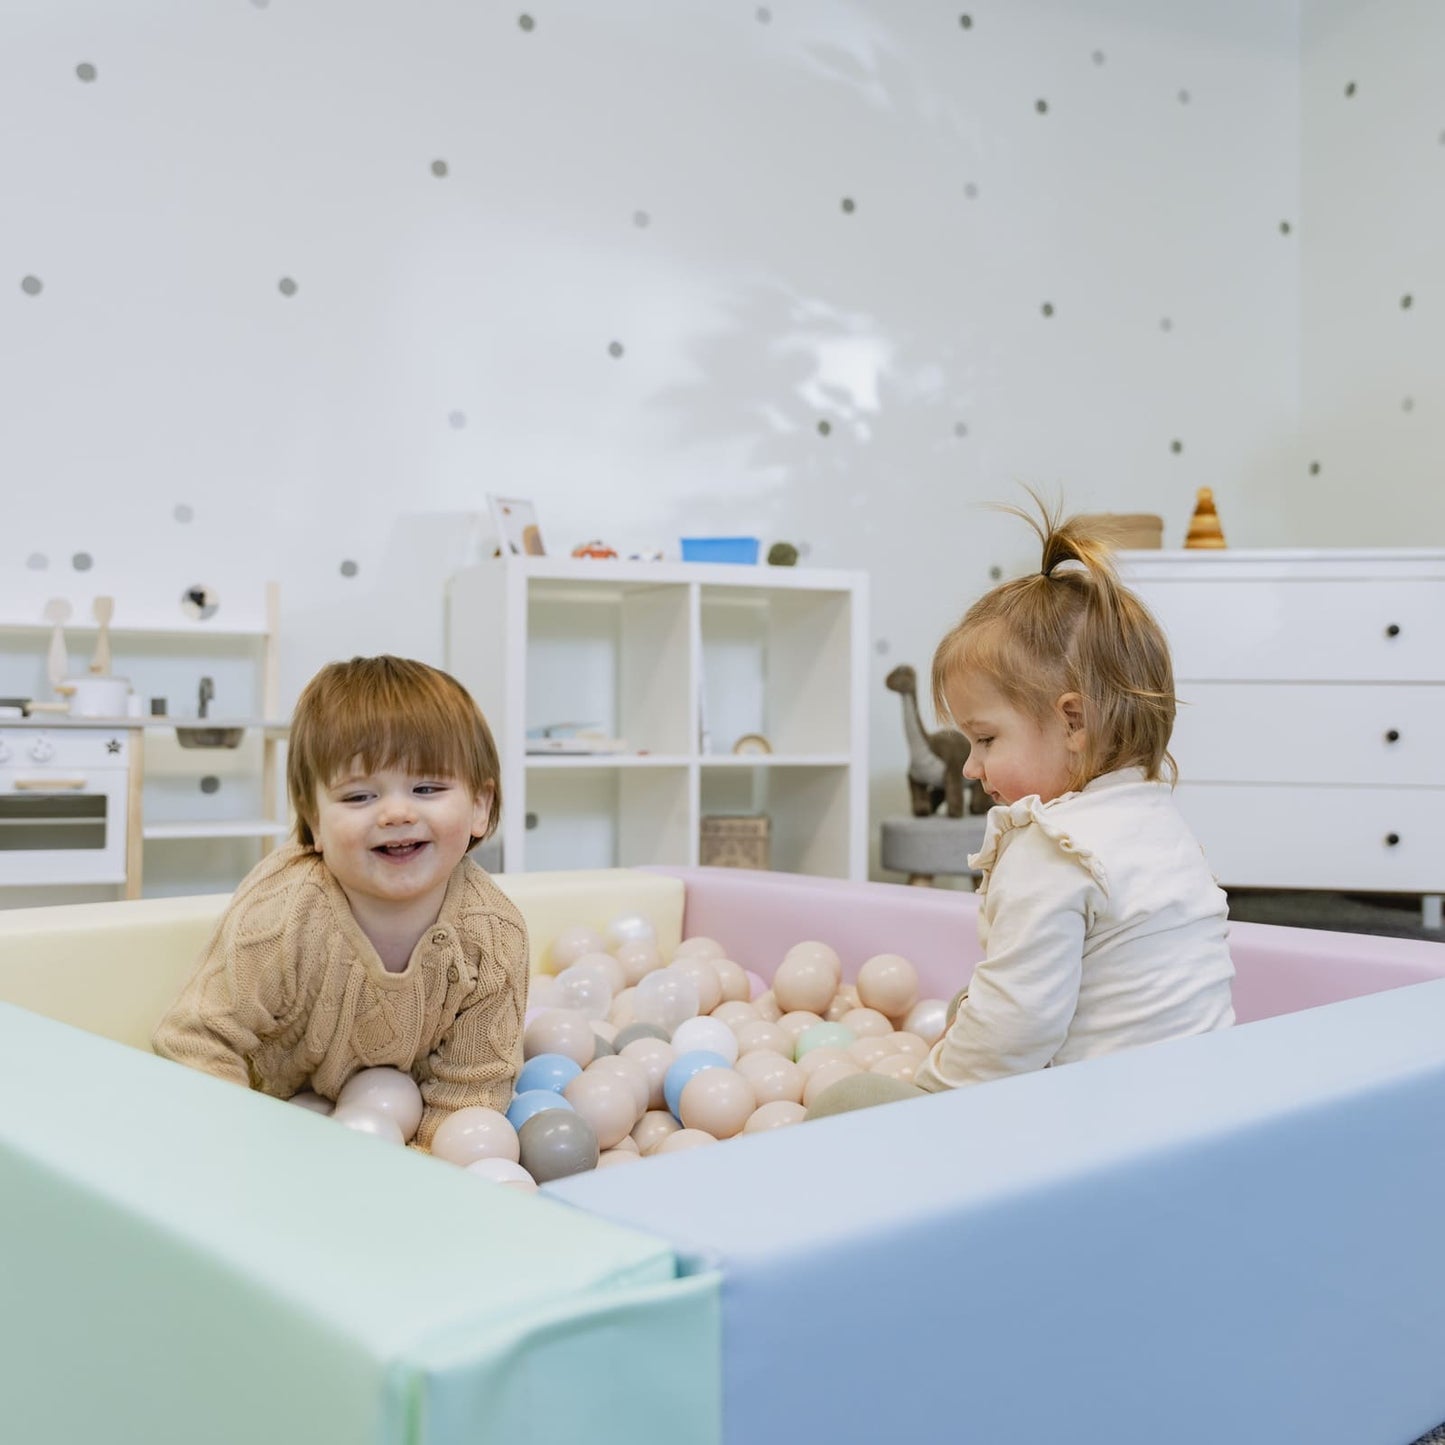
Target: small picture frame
[(517, 529)]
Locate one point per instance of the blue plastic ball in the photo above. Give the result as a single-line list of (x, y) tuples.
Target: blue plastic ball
[(547, 1071), (523, 1106), (680, 1072)]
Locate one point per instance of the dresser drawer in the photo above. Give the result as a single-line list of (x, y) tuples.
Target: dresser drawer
[(1339, 838), (1230, 732), (1305, 631)]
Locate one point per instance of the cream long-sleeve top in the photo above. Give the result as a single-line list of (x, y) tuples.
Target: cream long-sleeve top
[(1102, 929), (290, 994)]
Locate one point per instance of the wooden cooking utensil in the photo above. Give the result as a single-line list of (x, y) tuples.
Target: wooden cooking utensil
[(57, 611), (104, 610)]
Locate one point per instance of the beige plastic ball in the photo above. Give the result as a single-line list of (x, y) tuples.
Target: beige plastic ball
[(771, 1076), (844, 1002), (866, 1052), (606, 964), (775, 1115), (607, 1102), (626, 1146), (889, 983), (637, 960), (610, 1157), (384, 1091), (804, 983), (654, 1057), (911, 1044), (766, 1004), (704, 975), (475, 1133), (571, 944), (796, 1024), (560, 1031), (734, 980), (632, 1071), (717, 1101), (757, 1035), (369, 1122), (867, 1023), (827, 1076), (312, 1102), (699, 947), (652, 1128), (812, 949), (684, 1139), (622, 1011), (822, 1057), (928, 1018), (902, 1067), (504, 1171), (733, 1012)]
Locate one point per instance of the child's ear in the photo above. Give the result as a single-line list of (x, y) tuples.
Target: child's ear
[(1070, 708), (482, 811)]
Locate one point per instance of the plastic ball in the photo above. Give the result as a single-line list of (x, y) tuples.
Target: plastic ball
[(630, 1033), (654, 1057), (733, 1012), (312, 1102), (844, 1002), (705, 979), (822, 1056), (535, 1101), (474, 1133), (543, 992), (665, 998), (606, 1102), (774, 1115), (822, 952), (717, 1101), (757, 985), (820, 1036), (868, 1050), (896, 1066), (571, 944), (866, 1023), (621, 1015), (637, 960), (888, 983), (652, 1128), (556, 1144), (384, 1091), (367, 1121), (796, 1024), (547, 1071), (608, 1157), (910, 1044), (760, 1035), (733, 977), (560, 1031), (772, 1076), (805, 983), (629, 928), (826, 1077), (681, 1071), (607, 966), (503, 1171), (927, 1019), (766, 1004), (700, 947), (627, 1145), (632, 1071), (683, 1139), (586, 988), (706, 1033), (601, 1047)]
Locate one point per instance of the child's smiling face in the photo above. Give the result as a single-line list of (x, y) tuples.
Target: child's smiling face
[(1013, 754)]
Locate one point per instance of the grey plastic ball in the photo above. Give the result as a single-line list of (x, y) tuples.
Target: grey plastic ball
[(556, 1143)]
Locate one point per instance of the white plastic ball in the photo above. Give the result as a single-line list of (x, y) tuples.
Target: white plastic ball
[(706, 1033)]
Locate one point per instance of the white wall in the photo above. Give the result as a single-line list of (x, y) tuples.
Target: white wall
[(449, 335), (1373, 178)]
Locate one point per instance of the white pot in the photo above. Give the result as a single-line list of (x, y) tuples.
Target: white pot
[(96, 696)]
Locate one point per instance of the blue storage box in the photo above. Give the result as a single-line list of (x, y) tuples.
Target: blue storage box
[(720, 549)]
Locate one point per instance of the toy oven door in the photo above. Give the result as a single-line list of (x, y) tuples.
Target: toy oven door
[(62, 825)]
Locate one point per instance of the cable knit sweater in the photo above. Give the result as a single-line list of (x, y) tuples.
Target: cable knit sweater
[(1102, 927), (290, 994)]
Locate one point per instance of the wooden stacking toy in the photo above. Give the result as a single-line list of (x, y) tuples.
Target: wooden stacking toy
[(1204, 528)]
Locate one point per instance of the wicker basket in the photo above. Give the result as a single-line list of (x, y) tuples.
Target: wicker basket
[(735, 842)]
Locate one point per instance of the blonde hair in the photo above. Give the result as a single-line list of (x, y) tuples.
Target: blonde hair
[(1073, 627), (388, 712)]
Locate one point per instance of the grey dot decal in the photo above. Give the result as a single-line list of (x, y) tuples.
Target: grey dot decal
[(1042, 106), (1406, 301), (182, 513), (456, 420), (966, 21), (1408, 404), (349, 568), (1047, 308), (1284, 228), (526, 22), (1350, 90), (438, 168), (37, 561), (1098, 57), (849, 205), (82, 561), (1184, 97), (764, 15), (210, 783), (615, 348), (260, 4), (971, 191), (85, 70), (881, 647), (995, 574), (641, 220), (286, 286), (1165, 324), (825, 428), (1176, 447), (960, 429), (32, 285), (1314, 469)]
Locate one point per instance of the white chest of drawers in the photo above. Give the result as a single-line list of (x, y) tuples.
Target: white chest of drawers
[(1311, 730)]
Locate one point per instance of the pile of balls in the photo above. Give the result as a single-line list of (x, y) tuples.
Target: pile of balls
[(628, 1055)]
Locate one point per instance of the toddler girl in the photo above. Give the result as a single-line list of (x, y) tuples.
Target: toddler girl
[(1101, 924), (373, 939)]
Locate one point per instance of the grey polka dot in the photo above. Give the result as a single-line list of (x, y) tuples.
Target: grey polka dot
[(615, 348), (849, 205), (641, 220), (881, 647), (960, 429), (82, 561), (1047, 308), (85, 70), (32, 285), (1314, 469), (1406, 301), (970, 190), (210, 783), (182, 513), (286, 286), (37, 561), (764, 15), (1350, 89), (260, 4), (995, 574), (825, 428), (966, 21), (349, 568), (1098, 57), (438, 168), (1165, 324), (1042, 106), (526, 22), (1176, 447), (1284, 228), (456, 420), (1408, 404), (1183, 97)]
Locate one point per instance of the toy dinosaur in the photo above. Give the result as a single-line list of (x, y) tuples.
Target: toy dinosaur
[(935, 759)]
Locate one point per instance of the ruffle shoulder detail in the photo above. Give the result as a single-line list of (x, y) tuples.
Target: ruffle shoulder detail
[(1033, 812)]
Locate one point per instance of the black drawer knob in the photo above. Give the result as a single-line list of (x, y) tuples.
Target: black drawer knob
[(1393, 736), (1393, 630), (1391, 839)]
